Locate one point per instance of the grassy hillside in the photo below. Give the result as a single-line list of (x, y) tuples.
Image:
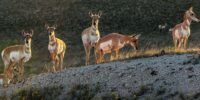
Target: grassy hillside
[(71, 17)]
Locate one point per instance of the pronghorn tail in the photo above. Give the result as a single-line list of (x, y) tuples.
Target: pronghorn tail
[(171, 29)]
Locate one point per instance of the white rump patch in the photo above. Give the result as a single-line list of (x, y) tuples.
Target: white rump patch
[(106, 45), (84, 38)]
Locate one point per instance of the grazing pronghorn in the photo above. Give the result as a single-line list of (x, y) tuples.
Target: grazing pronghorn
[(114, 42), (181, 32), (91, 35), (56, 48), (16, 55)]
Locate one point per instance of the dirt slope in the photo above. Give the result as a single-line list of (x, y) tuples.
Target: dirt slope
[(169, 76)]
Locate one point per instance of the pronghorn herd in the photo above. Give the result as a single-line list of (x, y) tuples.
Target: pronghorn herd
[(15, 56)]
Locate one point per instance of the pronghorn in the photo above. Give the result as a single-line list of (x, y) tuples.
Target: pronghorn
[(17, 54), (114, 42), (56, 48), (91, 35), (181, 32)]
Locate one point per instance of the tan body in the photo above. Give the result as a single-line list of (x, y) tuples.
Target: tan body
[(181, 32), (113, 42), (16, 55), (91, 36), (56, 49)]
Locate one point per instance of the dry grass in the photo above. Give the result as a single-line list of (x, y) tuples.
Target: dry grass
[(152, 52)]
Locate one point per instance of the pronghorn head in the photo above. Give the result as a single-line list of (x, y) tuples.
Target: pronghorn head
[(95, 18), (28, 36), (51, 30), (134, 41), (189, 14)]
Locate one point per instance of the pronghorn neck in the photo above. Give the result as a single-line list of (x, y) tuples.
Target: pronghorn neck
[(95, 26), (27, 48), (187, 22), (52, 38)]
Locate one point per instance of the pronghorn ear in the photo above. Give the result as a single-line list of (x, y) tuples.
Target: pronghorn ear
[(46, 26), (23, 33), (90, 14), (191, 9), (99, 13), (31, 32), (54, 26), (137, 36)]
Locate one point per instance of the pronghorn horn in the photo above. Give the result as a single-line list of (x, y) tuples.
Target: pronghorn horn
[(99, 13), (91, 14)]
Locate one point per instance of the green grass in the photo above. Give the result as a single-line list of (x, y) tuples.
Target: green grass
[(71, 16), (47, 93)]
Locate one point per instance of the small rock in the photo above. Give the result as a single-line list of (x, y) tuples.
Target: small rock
[(172, 69), (180, 69), (196, 56), (190, 76), (121, 74), (109, 68), (195, 61), (138, 64), (172, 72), (190, 69), (153, 73)]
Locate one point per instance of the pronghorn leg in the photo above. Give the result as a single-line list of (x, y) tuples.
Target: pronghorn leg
[(53, 58), (61, 59), (185, 43), (96, 55), (117, 54), (21, 70), (87, 51), (102, 56), (111, 56), (6, 79), (175, 43), (180, 43), (57, 60), (8, 72)]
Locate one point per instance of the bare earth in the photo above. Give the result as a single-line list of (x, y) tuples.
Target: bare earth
[(173, 77)]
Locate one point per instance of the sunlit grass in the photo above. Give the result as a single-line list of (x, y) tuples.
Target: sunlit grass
[(152, 52)]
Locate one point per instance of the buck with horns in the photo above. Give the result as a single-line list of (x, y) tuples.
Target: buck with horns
[(56, 48), (114, 42), (181, 32), (16, 55), (91, 35)]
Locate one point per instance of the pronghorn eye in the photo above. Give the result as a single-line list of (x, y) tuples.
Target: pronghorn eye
[(192, 14)]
